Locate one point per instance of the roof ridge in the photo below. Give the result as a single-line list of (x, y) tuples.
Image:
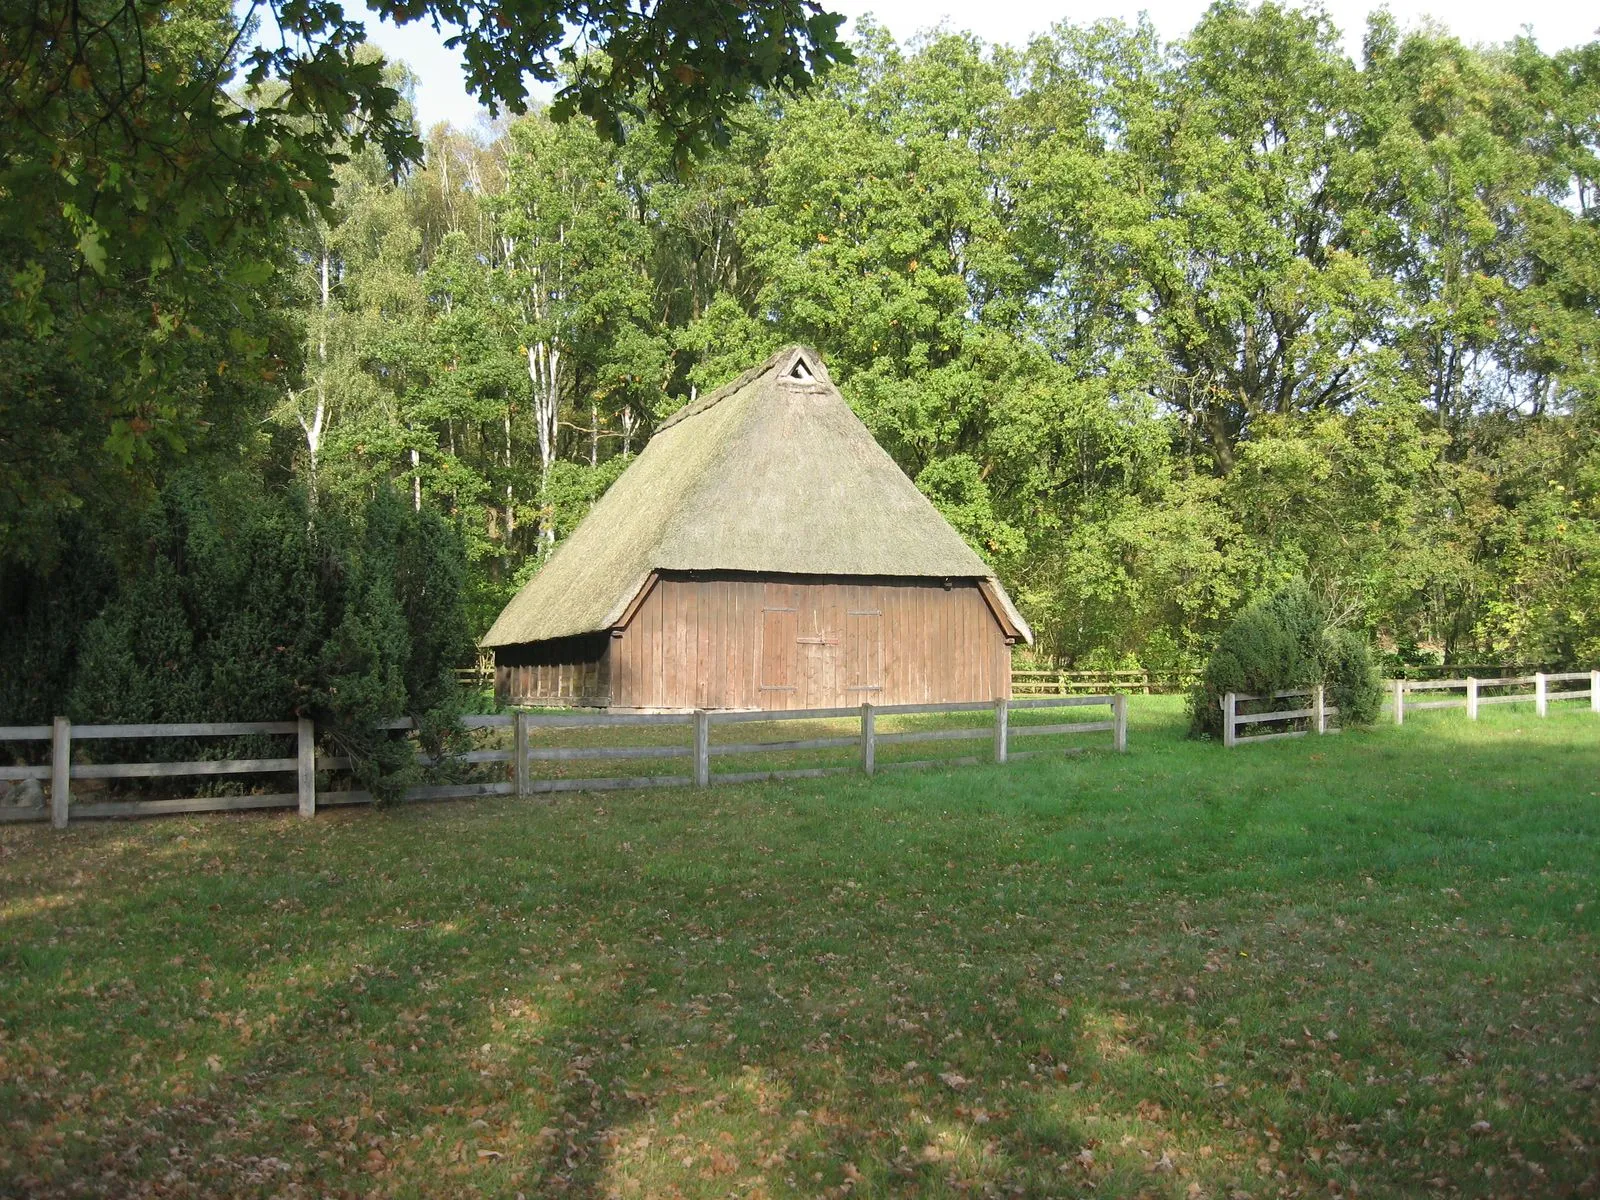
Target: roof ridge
[(737, 384)]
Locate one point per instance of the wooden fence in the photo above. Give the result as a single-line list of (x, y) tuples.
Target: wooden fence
[(699, 747), (479, 675), (1473, 689), (1318, 713), (1038, 682)]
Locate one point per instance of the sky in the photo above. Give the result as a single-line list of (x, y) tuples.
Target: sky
[(1555, 24)]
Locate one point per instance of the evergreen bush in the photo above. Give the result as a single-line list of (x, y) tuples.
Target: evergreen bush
[(1281, 643), (240, 604), (1351, 676)]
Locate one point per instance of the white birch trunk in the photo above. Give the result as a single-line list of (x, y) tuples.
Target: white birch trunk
[(544, 372), (511, 507), (314, 427)]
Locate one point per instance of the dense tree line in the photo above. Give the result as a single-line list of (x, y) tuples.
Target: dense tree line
[(1157, 325)]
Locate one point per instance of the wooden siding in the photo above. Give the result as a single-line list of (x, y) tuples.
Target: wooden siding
[(742, 642), (561, 671)]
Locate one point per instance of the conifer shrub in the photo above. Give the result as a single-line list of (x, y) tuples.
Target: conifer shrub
[(1350, 674), (242, 604), (1281, 643)]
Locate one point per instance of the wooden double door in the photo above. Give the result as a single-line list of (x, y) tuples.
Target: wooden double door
[(823, 644)]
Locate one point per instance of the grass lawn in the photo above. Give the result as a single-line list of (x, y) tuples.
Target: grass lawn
[(1363, 965)]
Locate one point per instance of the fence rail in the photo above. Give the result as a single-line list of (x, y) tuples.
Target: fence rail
[(1040, 682), (1319, 711), (1473, 688), (305, 762), (1473, 698)]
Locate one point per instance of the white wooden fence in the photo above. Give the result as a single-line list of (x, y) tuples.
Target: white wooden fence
[(1474, 696), (1317, 712), (701, 749)]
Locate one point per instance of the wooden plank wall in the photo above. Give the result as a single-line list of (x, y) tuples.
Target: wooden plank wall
[(729, 642), (561, 671)]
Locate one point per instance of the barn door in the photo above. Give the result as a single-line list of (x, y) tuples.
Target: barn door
[(863, 653), (780, 627), (819, 669)]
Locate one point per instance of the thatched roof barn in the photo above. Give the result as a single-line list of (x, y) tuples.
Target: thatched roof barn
[(762, 552)]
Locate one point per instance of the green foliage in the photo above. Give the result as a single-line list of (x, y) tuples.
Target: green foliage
[(1156, 325), (248, 607), (142, 228), (1282, 642), (687, 65), (1351, 677)]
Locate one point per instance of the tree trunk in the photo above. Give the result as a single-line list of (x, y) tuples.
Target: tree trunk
[(544, 372)]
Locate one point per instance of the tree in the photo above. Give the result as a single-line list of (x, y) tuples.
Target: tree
[(141, 230), (572, 276)]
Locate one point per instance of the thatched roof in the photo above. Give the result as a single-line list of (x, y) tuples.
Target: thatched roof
[(772, 474)]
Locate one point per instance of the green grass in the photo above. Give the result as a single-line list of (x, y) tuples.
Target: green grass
[(1361, 965)]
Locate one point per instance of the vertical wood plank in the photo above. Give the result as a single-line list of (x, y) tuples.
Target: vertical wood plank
[(306, 766), (689, 635), (60, 771), (927, 623), (519, 752), (1319, 709), (1399, 701), (1230, 705), (649, 685), (888, 602), (703, 620), (738, 649), (672, 643), (1594, 691), (869, 740), (1472, 699), (1119, 723), (1002, 730), (729, 670), (702, 748), (1541, 696)]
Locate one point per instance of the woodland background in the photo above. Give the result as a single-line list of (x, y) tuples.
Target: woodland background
[(1159, 326)]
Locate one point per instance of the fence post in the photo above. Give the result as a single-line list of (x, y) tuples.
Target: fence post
[(702, 748), (60, 771), (1399, 701), (1541, 699), (1319, 708), (869, 739), (306, 777), (1230, 705), (1594, 691), (1002, 718), (519, 752), (1472, 698), (1119, 723)]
